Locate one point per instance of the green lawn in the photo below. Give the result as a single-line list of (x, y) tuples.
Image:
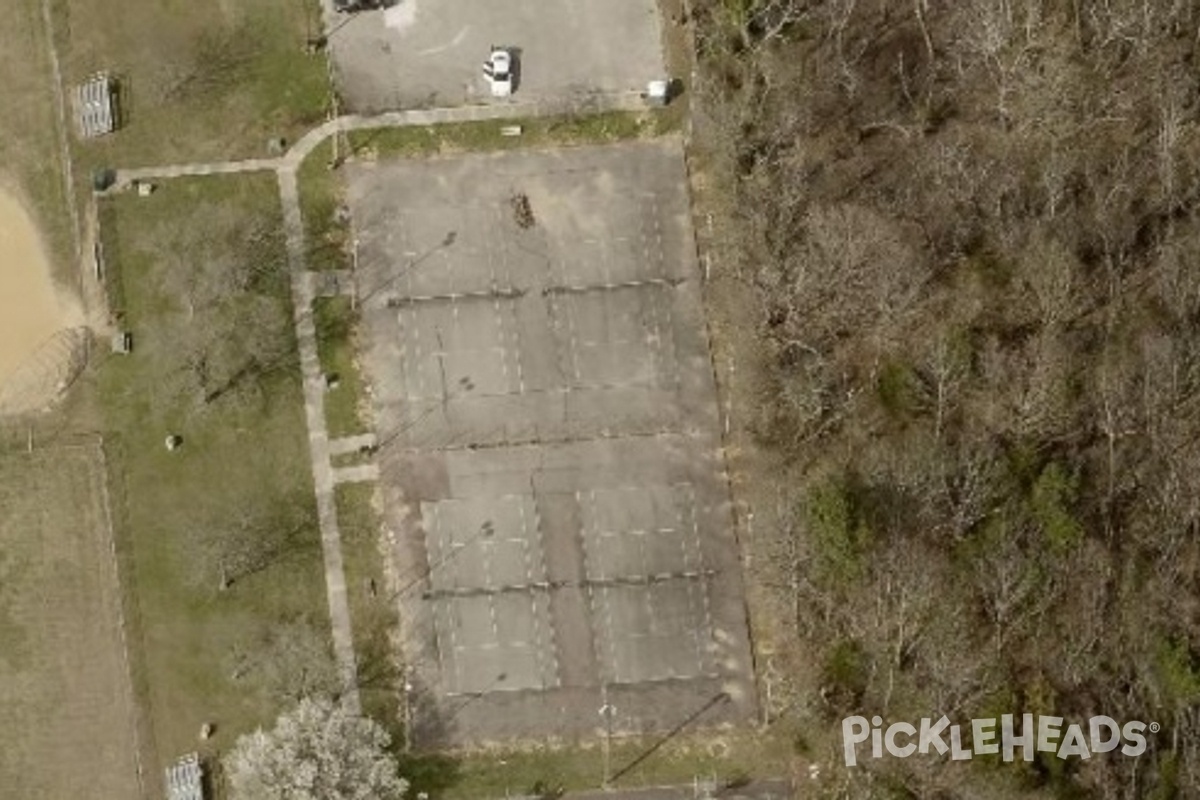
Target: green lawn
[(204, 291), (337, 323), (325, 232), (726, 755), (197, 81), (372, 610), (427, 140)]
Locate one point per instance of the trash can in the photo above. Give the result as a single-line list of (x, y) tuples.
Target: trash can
[(103, 179)]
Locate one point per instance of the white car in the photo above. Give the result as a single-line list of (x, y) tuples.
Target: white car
[(498, 70)]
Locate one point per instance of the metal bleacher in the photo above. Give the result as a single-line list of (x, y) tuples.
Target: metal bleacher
[(94, 106), (185, 780)]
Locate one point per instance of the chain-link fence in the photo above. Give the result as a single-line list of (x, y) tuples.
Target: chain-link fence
[(47, 373)]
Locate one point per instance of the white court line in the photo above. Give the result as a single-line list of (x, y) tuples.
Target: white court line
[(455, 42), (531, 578), (489, 582), (658, 236), (502, 347), (416, 321), (706, 604), (449, 608), (514, 333), (593, 601), (552, 638), (665, 348), (573, 340)]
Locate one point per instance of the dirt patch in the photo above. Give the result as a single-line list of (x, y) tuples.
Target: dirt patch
[(39, 336)]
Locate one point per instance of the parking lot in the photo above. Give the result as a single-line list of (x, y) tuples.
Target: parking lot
[(423, 53), (550, 454)]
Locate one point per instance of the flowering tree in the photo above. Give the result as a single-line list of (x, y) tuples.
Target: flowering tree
[(319, 751)]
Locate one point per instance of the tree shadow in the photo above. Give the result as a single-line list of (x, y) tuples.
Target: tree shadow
[(429, 773)]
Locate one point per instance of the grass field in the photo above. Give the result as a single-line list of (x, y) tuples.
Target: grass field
[(204, 291), (198, 81), (372, 611), (64, 682), (326, 234), (602, 128), (637, 761), (336, 323)]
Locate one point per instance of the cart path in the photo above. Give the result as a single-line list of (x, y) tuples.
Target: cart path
[(318, 441), (352, 444), (291, 160), (359, 473), (128, 176)]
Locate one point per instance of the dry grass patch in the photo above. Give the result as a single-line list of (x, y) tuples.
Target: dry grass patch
[(64, 681)]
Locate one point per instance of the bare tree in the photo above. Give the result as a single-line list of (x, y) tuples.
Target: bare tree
[(236, 541), (993, 206)]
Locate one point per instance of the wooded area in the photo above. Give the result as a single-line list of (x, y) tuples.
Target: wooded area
[(971, 229)]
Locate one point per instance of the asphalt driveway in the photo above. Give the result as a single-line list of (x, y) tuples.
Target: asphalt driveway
[(424, 53)]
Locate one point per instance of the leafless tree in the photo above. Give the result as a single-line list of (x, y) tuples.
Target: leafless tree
[(235, 541), (993, 206)]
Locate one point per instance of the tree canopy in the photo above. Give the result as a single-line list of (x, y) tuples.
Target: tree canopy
[(318, 751), (954, 248)]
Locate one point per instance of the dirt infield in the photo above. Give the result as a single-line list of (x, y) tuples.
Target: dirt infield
[(68, 721), (31, 314)]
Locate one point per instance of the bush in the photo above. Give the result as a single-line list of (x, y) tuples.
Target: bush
[(1054, 493), (840, 538)]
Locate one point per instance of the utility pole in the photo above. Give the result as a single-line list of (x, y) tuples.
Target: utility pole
[(408, 716), (353, 272), (334, 111)]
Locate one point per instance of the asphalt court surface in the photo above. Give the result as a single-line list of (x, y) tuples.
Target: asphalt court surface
[(550, 457), (426, 53)]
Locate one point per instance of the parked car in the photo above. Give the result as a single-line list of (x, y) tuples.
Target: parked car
[(498, 69)]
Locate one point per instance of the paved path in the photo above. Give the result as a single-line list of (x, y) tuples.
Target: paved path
[(594, 103), (318, 439), (359, 473), (352, 444), (127, 176)]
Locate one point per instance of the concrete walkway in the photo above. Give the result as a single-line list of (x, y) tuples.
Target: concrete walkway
[(352, 444), (291, 160), (127, 176), (306, 287), (318, 440), (359, 473)]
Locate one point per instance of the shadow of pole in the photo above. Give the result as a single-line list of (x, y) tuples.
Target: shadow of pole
[(387, 283), (715, 700)]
